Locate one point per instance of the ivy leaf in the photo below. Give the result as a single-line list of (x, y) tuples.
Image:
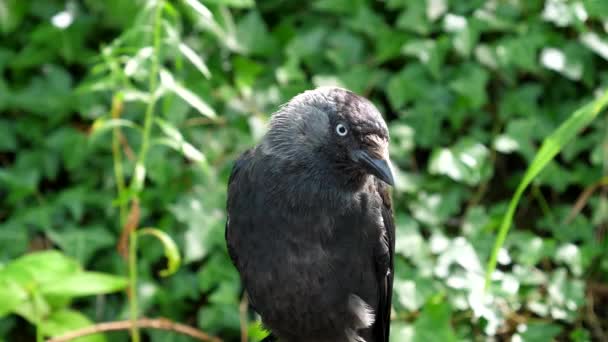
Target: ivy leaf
[(434, 323), (467, 161)]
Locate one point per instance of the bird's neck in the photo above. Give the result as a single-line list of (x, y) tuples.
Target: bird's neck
[(312, 181)]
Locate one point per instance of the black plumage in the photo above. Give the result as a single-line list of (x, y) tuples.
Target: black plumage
[(310, 225)]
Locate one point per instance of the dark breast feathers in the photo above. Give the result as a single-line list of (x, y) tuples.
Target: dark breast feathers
[(316, 272)]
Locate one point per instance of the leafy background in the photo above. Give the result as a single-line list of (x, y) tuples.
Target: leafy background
[(470, 89)]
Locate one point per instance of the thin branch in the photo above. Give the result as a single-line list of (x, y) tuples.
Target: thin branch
[(126, 148), (593, 320), (583, 198), (151, 323), (129, 226)]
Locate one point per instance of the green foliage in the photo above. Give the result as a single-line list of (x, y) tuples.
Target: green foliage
[(99, 106), (551, 146), (40, 286)]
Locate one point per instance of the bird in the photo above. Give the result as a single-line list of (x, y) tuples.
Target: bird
[(310, 224)]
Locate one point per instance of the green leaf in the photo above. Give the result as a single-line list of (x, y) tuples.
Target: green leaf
[(217, 270), (307, 43), (192, 99), (551, 146), (430, 52), (176, 141), (84, 284), (401, 332), (540, 331), (336, 6), (41, 268), (8, 140), (256, 331), (414, 18), (213, 317), (33, 309), (82, 242), (103, 125), (13, 240), (199, 8), (467, 161), (253, 35), (170, 248), (407, 85), (233, 3), (11, 295), (194, 58), (66, 320), (12, 13), (434, 322), (470, 85)]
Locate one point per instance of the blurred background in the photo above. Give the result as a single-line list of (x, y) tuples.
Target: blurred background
[(119, 114)]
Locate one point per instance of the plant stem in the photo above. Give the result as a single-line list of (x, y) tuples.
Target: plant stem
[(542, 202), (38, 315), (137, 182), (133, 285), (152, 85), (117, 157)]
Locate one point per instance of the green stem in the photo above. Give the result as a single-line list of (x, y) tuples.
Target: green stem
[(37, 315), (137, 182), (542, 202), (152, 85), (117, 158), (133, 285)]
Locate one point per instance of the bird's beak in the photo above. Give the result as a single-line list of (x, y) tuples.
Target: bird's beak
[(380, 168)]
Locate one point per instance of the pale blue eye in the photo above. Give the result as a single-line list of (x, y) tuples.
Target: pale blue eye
[(341, 130)]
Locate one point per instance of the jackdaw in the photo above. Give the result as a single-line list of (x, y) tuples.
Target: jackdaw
[(310, 226)]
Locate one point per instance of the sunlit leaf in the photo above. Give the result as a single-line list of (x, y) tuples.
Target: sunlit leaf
[(176, 141), (170, 248), (193, 57), (66, 320), (103, 125), (11, 295), (41, 268), (194, 100), (466, 162), (85, 284)]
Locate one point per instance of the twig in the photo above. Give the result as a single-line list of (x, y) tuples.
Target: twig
[(583, 198), (152, 323), (599, 288), (594, 322), (542, 202), (129, 226), (127, 148)]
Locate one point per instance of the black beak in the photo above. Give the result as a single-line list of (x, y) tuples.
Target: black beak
[(377, 167)]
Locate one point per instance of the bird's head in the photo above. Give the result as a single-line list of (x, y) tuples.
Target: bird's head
[(334, 128)]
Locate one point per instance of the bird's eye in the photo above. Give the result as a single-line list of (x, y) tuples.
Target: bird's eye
[(341, 130)]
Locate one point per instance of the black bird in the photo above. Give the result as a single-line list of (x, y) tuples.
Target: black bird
[(310, 226)]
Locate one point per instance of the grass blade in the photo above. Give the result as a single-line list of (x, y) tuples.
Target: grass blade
[(551, 146)]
